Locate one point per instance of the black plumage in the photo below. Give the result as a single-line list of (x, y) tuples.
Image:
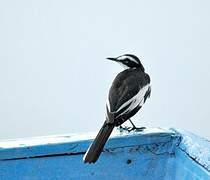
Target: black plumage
[(128, 93), (124, 87)]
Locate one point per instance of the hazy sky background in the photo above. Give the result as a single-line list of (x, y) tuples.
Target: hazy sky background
[(54, 77)]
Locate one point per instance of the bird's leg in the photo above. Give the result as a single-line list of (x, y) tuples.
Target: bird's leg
[(136, 128)]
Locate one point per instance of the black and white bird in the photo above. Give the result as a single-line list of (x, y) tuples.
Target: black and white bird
[(129, 91)]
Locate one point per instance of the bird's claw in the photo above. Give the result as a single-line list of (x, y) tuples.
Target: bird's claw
[(125, 128), (138, 129), (129, 129)]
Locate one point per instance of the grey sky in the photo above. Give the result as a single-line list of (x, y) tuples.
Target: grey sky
[(54, 77)]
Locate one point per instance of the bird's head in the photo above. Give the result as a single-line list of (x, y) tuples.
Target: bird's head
[(128, 61)]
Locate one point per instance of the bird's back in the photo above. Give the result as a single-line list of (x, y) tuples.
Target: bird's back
[(125, 86)]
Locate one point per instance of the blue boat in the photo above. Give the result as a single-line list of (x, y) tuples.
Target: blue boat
[(154, 154)]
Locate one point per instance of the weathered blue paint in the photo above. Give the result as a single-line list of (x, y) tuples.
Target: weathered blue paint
[(195, 147), (152, 154)]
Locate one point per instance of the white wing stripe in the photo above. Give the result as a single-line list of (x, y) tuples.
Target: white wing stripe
[(138, 99), (108, 104)]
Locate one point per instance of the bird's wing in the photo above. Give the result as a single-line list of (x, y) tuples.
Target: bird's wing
[(126, 93), (137, 100)]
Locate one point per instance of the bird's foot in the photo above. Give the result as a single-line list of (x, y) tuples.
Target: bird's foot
[(129, 129), (125, 128), (137, 129)]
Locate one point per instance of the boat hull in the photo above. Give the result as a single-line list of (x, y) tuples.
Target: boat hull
[(153, 154)]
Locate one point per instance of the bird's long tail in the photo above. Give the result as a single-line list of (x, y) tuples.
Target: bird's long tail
[(97, 146)]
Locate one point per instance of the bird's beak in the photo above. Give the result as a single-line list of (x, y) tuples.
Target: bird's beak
[(112, 59)]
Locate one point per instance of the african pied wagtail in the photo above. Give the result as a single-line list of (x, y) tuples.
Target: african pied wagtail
[(129, 91)]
